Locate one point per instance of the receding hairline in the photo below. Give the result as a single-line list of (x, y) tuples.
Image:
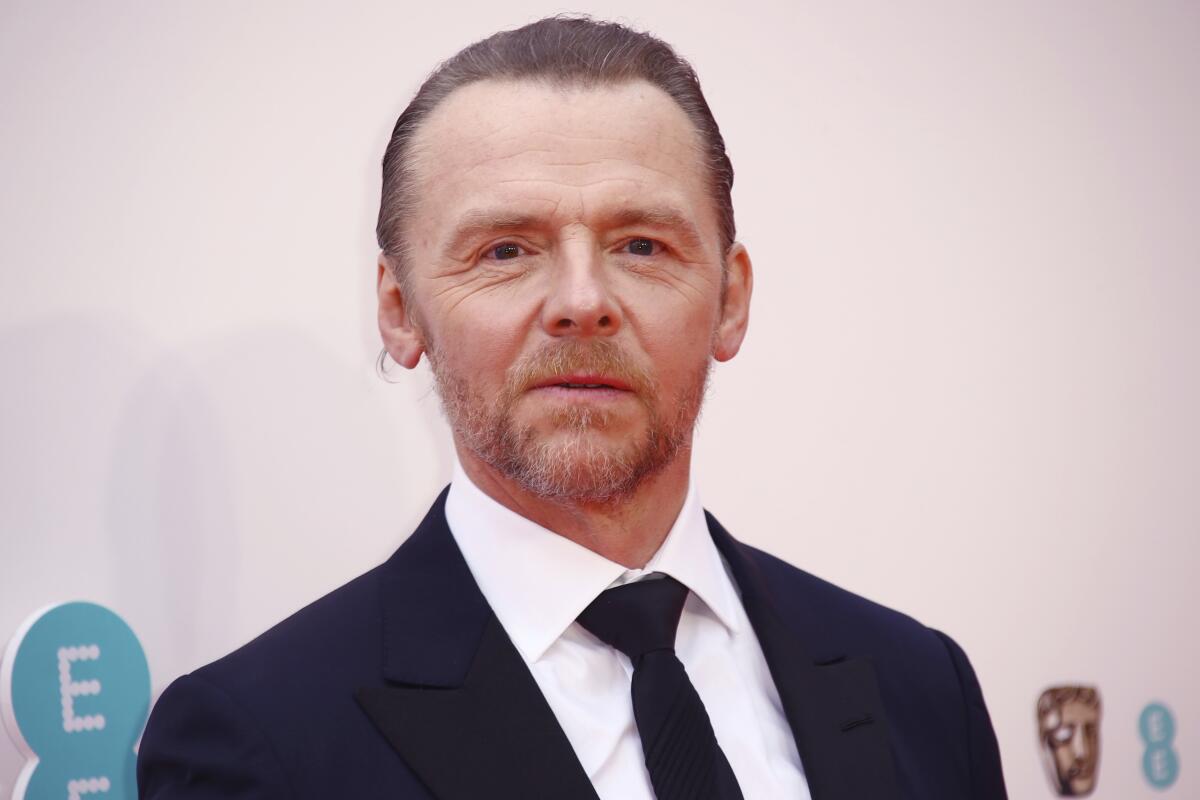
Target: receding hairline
[(417, 146)]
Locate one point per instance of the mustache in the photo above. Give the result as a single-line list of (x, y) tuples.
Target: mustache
[(598, 356)]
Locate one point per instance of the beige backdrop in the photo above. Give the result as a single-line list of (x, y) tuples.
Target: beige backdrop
[(969, 389)]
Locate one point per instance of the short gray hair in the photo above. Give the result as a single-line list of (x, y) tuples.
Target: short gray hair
[(570, 50)]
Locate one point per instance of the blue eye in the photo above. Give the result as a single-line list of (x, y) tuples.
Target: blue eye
[(642, 247), (503, 252)]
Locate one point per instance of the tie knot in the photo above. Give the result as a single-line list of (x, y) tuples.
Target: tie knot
[(639, 617)]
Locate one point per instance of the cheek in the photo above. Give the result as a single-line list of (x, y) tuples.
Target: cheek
[(481, 343), (678, 346), (678, 327)]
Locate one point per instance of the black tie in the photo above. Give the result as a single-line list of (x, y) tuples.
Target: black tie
[(682, 755)]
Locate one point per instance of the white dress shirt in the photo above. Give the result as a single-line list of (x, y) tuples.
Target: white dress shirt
[(538, 582)]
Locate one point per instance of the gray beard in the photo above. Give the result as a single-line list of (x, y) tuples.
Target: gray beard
[(574, 468)]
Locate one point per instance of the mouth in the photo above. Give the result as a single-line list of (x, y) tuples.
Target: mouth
[(1080, 772), (583, 383)]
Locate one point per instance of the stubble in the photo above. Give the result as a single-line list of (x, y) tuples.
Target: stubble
[(579, 463)]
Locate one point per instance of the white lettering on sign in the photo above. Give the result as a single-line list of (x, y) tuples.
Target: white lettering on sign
[(77, 789), (70, 689)]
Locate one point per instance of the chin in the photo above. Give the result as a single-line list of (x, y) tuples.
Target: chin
[(1080, 788), (583, 466)]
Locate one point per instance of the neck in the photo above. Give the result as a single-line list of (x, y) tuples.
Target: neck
[(628, 531)]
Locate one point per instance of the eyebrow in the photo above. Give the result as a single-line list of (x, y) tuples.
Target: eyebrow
[(658, 217), (478, 222)]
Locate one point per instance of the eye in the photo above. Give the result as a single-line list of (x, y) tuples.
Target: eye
[(505, 251), (643, 247)]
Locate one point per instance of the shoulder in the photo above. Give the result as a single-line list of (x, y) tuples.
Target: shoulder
[(927, 684), (336, 634), (248, 719), (834, 623), (836, 619)]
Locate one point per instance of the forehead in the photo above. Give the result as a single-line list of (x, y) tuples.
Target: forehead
[(560, 150), (1077, 710), (1072, 711)]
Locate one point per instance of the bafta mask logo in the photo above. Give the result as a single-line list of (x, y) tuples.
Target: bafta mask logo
[(1069, 732)]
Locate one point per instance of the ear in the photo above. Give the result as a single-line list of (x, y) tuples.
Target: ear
[(735, 303), (401, 336)]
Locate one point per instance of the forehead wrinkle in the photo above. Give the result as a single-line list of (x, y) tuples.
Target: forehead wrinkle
[(477, 221), (456, 170), (574, 185)]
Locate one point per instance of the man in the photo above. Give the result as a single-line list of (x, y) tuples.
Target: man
[(557, 239)]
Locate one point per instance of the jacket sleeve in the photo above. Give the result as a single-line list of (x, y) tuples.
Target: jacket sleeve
[(199, 743), (987, 775)]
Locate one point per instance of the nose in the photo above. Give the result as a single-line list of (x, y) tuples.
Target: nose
[(1079, 745), (581, 301)]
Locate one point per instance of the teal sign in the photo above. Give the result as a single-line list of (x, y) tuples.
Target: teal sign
[(1160, 762), (76, 692)]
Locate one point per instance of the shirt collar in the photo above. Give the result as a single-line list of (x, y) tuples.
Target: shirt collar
[(538, 582)]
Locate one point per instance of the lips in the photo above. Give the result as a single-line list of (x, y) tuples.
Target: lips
[(583, 381)]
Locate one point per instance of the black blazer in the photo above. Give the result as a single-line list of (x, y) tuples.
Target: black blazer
[(403, 685)]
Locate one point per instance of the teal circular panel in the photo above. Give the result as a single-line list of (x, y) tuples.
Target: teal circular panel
[(1161, 766), (1160, 762), (80, 695), (1156, 725)]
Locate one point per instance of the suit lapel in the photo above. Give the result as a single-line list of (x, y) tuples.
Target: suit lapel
[(462, 710), (831, 702)]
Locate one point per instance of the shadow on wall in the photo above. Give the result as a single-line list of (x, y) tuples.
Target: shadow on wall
[(169, 517), (201, 492), (249, 476)]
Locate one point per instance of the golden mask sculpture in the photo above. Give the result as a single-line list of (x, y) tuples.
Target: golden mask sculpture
[(1069, 734)]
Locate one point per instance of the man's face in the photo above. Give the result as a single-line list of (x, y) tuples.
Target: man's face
[(566, 281), (1069, 725)]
